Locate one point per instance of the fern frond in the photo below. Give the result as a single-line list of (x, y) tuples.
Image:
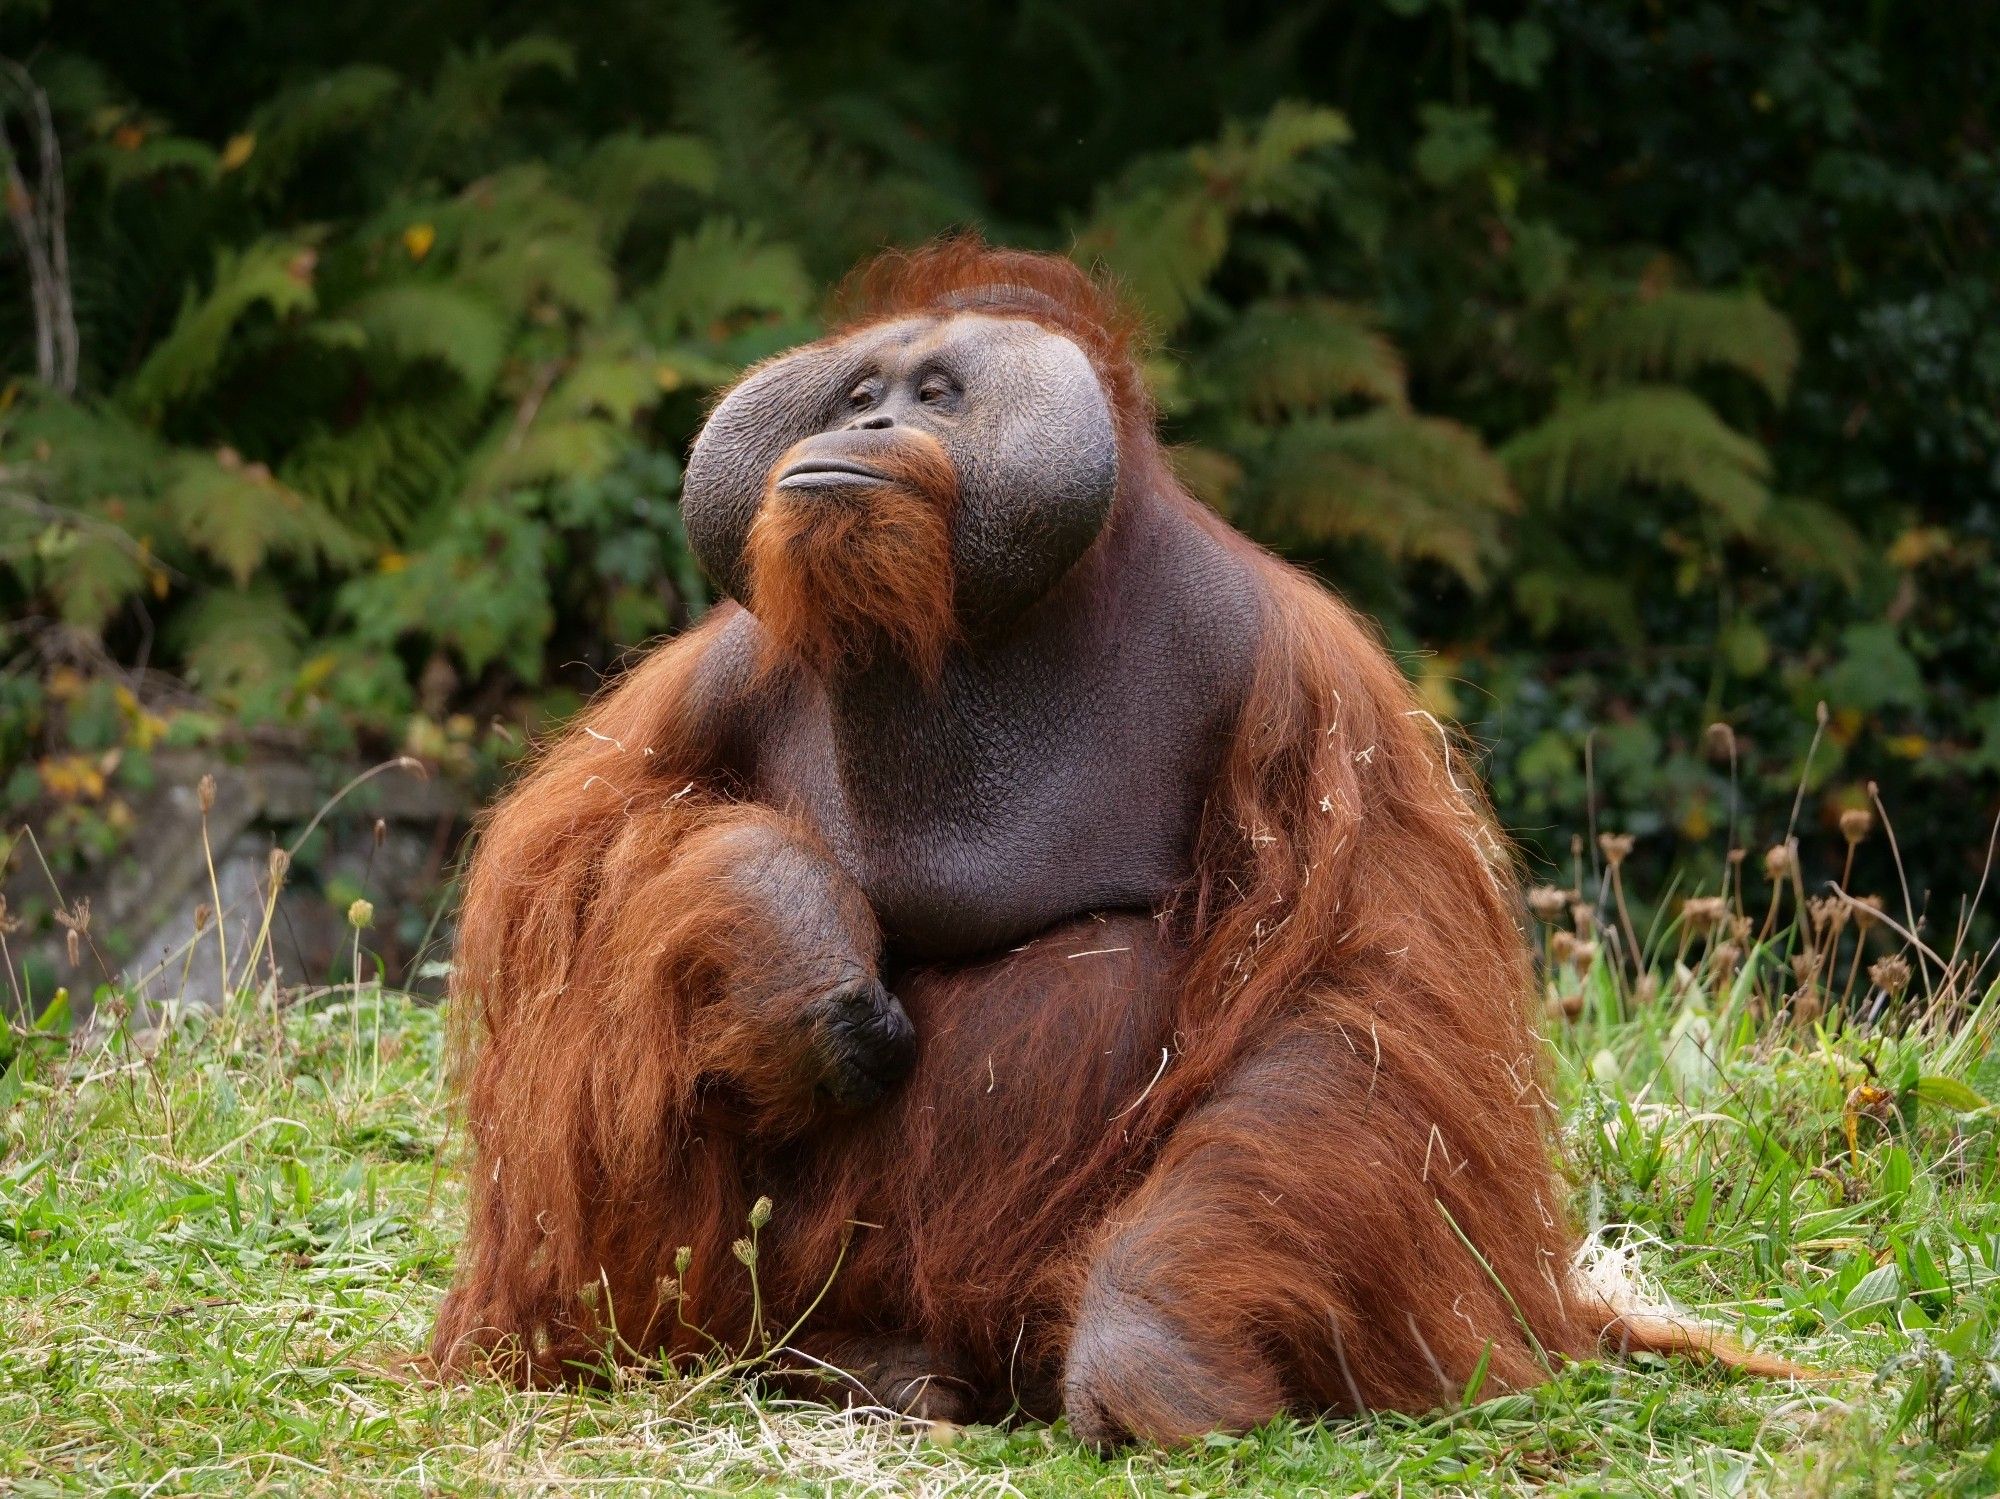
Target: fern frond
[(1287, 357), (622, 169), (470, 87), (441, 321), (1418, 487), (521, 240), (290, 124), (380, 475), (1269, 165), (240, 515), (276, 273), (1163, 228), (141, 161), (92, 578), (719, 269), (1806, 537), (550, 448), (1674, 333), (236, 642), (1160, 243), (480, 587), (612, 383), (1662, 436)]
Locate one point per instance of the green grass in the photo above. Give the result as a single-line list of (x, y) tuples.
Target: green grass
[(217, 1245)]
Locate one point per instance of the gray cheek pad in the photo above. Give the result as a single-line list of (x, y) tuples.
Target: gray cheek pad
[(1034, 446), (1037, 457), (773, 407)]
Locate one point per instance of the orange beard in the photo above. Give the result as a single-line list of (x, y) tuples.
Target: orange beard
[(836, 574)]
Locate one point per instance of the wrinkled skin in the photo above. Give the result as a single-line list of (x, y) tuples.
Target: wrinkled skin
[(1056, 768)]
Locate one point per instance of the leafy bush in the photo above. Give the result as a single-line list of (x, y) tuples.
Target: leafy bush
[(1640, 365)]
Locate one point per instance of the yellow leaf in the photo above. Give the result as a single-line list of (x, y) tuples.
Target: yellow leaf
[(667, 377), (129, 137), (418, 239), (1918, 545), (238, 150), (391, 562), (71, 777), (1909, 746), (65, 682), (313, 675)]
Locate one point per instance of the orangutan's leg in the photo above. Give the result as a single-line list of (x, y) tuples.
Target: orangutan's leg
[(1297, 1243)]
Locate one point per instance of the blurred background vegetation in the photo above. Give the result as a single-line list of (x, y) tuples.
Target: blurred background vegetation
[(1636, 363)]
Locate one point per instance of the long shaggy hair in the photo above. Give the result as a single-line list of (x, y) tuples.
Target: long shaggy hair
[(1308, 1095), (832, 577)]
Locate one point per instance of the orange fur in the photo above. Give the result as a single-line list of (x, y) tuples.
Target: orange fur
[(1302, 1108), (830, 576)]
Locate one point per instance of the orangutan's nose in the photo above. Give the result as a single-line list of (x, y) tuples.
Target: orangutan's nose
[(875, 421)]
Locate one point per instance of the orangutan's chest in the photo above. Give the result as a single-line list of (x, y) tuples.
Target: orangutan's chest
[(974, 832)]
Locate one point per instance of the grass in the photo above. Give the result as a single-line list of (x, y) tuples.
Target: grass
[(221, 1237)]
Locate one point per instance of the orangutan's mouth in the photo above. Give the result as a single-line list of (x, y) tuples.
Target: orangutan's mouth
[(813, 473)]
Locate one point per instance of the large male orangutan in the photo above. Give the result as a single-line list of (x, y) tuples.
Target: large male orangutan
[(1059, 908)]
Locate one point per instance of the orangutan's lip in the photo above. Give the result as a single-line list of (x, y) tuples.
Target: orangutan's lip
[(811, 473)]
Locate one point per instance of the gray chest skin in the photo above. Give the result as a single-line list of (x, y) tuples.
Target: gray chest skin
[(1055, 771)]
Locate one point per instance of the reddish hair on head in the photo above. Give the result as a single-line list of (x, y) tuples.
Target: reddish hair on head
[(961, 273)]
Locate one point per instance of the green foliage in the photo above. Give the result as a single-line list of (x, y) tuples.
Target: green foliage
[(1596, 448), (1642, 365)]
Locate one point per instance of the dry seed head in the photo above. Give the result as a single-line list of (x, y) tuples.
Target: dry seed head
[(1737, 856), (683, 1257), (202, 916), (1583, 918), (1566, 1006), (1867, 911), (745, 1251), (361, 915), (280, 864), (1806, 1005), (1721, 741), (1616, 847), (1562, 946), (587, 1294), (8, 924), (1805, 966), (1723, 960), (1739, 930), (1704, 913), (204, 794), (1856, 823), (1781, 859), (381, 832), (1828, 913), (760, 1212), (1890, 974), (1548, 903), (1648, 988)]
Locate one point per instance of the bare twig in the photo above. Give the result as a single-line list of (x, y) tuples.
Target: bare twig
[(37, 215)]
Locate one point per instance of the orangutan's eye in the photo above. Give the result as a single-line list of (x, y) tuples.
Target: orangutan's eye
[(937, 390), (862, 395)]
